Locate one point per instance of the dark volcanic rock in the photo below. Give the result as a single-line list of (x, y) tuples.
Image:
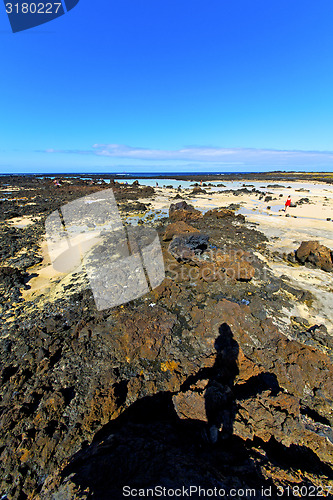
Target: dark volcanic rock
[(259, 393), (11, 277), (133, 207), (185, 247), (11, 281), (193, 383), (180, 205), (303, 201), (318, 255), (198, 190), (315, 335)]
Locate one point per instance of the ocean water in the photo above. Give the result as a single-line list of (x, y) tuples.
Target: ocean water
[(285, 187), (142, 177), (125, 174)]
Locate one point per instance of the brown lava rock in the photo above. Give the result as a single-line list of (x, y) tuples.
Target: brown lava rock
[(318, 255), (93, 400), (177, 228), (219, 213), (182, 211)]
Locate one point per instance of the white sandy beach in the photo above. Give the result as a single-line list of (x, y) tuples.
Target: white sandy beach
[(307, 221)]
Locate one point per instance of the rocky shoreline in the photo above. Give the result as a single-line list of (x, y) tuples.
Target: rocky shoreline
[(200, 382)]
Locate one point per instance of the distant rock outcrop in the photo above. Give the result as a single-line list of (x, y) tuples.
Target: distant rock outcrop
[(198, 190)]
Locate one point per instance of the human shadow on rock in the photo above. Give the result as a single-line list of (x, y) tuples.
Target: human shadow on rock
[(148, 445)]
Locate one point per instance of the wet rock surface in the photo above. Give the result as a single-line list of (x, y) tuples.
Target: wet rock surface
[(196, 382)]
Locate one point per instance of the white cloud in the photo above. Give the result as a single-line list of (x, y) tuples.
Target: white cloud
[(247, 157), (192, 153)]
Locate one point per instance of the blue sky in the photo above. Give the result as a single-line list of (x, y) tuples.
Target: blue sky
[(176, 85)]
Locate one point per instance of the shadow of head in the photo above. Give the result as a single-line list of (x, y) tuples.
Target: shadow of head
[(227, 349), (225, 342)]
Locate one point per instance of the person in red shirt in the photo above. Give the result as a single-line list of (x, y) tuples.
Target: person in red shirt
[(288, 203)]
